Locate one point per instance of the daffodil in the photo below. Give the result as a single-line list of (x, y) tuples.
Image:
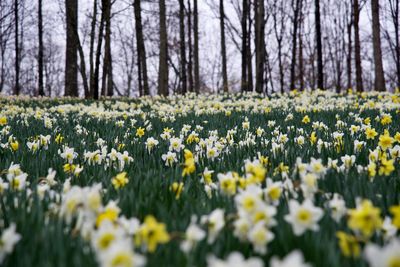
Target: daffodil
[(151, 233), (120, 180), (348, 244), (140, 132), (387, 256), (306, 119), (386, 141), (365, 219), (177, 189), (395, 210), (303, 216)]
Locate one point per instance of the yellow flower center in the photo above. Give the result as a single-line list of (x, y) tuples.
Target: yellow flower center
[(304, 215)]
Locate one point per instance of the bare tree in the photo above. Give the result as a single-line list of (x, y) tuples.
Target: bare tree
[(319, 45), (196, 47), (163, 58), (259, 8), (71, 56), (17, 49), (223, 46), (107, 79), (141, 51), (296, 11), (182, 45), (190, 47), (357, 48), (376, 40), (40, 51)]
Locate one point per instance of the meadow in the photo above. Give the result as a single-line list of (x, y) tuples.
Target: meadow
[(301, 179)]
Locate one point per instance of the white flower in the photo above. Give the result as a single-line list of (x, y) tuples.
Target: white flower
[(273, 191), (338, 207), (249, 199), (387, 256), (3, 185), (242, 226), (8, 240), (260, 236), (68, 154), (348, 161), (215, 221), (317, 167), (18, 182), (358, 145), (105, 236), (33, 146), (151, 143), (212, 152), (388, 229), (113, 155), (309, 185), (50, 178), (303, 217), (123, 159), (235, 259), (294, 259), (121, 254), (131, 226), (175, 144), (193, 235), (169, 158)]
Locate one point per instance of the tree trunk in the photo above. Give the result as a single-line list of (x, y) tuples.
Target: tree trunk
[(349, 52), (244, 82), (190, 63), (95, 81), (71, 56), (357, 48), (301, 55), (394, 10), (250, 85), (223, 46), (107, 79), (320, 67), (259, 44), (40, 52), (294, 47), (163, 59), (376, 39), (141, 49), (17, 49), (91, 48), (196, 48), (182, 45)]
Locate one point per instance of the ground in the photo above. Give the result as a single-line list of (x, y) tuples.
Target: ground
[(301, 178)]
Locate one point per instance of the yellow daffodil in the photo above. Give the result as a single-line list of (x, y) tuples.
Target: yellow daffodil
[(365, 218), (386, 141), (151, 233), (306, 119), (120, 180), (177, 189), (3, 121), (370, 133), (386, 167), (348, 244), (395, 210), (140, 132)]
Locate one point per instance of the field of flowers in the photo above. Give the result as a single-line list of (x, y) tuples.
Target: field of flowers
[(303, 179)]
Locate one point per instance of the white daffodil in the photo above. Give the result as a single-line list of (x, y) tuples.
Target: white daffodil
[(235, 259), (303, 216), (387, 256), (9, 238), (215, 221), (294, 259)]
